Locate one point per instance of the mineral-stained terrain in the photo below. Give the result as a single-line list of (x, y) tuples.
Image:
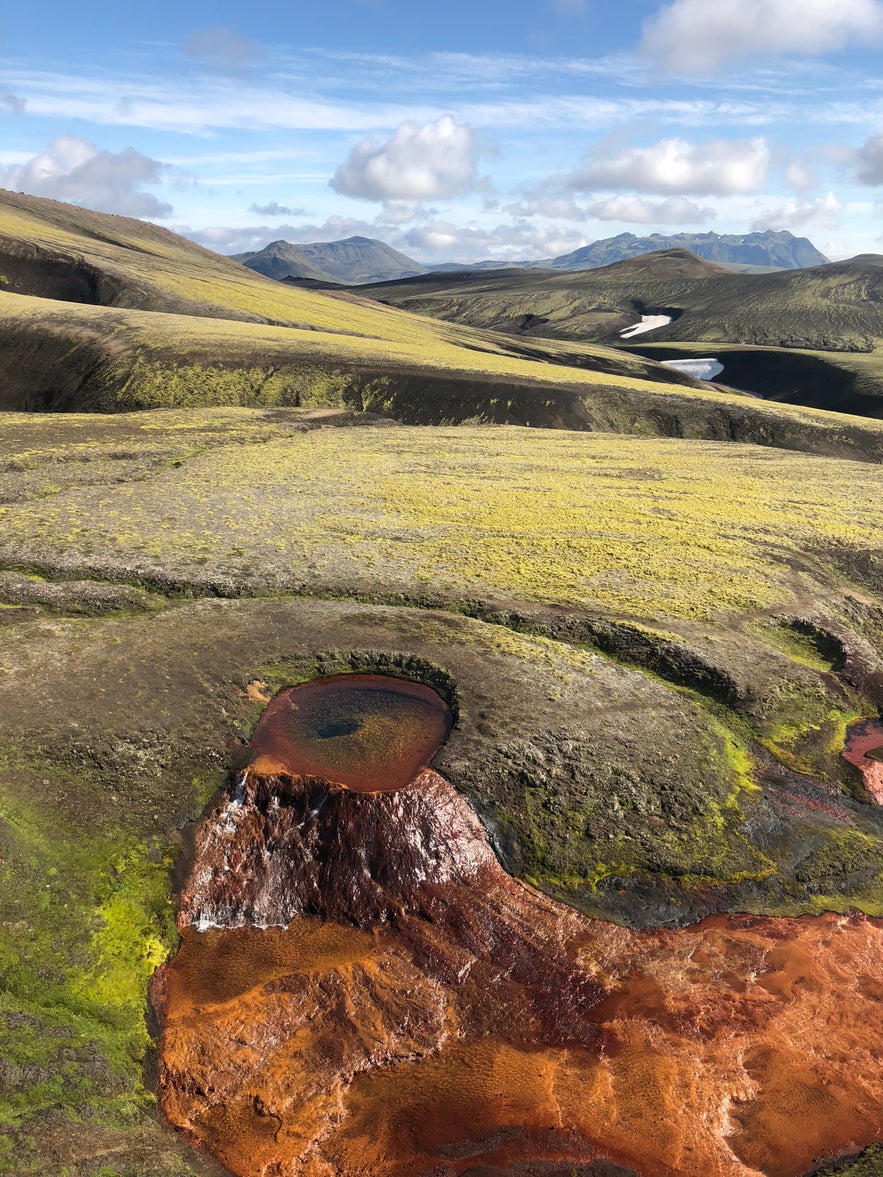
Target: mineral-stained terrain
[(379, 996)]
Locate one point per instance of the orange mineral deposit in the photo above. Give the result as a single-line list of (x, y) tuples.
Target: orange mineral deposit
[(362, 991)]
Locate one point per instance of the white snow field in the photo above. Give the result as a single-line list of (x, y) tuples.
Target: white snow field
[(647, 323)]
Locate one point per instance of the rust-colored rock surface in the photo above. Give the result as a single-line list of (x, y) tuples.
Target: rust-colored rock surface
[(864, 749), (379, 999)]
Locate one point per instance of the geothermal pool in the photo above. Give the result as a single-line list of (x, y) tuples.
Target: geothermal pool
[(367, 733)]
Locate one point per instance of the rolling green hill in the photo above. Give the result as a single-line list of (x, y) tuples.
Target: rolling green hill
[(835, 307), (830, 318)]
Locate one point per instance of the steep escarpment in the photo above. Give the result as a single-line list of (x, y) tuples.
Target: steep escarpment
[(362, 989)]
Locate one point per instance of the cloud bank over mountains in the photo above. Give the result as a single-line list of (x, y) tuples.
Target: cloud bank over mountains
[(729, 115)]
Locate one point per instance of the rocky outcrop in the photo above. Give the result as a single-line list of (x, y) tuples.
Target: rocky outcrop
[(283, 847)]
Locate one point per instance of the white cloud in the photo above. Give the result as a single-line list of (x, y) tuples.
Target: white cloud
[(432, 239), (76, 170), (399, 212), (677, 167), (540, 204), (825, 212), (869, 160), (431, 161), (636, 210), (443, 241), (241, 238), (697, 36)]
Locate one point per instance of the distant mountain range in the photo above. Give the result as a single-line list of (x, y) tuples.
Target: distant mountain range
[(358, 260), (781, 250)]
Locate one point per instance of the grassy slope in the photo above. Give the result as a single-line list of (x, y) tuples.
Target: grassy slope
[(833, 307), (226, 319), (211, 339)]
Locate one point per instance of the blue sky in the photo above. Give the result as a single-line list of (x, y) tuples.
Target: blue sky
[(458, 131)]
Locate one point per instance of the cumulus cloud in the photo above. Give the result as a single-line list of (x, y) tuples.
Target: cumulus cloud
[(76, 170), (698, 36), (636, 210), (869, 161), (825, 212), (274, 209), (221, 47), (429, 161), (679, 168)]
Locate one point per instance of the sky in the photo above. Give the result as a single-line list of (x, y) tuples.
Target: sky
[(455, 131)]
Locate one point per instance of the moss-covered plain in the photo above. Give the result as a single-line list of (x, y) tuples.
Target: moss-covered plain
[(605, 785), (654, 645), (642, 528)]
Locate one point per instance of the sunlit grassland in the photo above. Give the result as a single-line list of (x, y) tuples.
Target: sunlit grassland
[(643, 528)]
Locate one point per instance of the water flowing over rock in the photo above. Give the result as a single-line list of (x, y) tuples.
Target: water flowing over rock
[(283, 847), (380, 998)]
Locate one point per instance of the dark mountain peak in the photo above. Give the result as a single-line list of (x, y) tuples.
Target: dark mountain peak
[(350, 261)]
